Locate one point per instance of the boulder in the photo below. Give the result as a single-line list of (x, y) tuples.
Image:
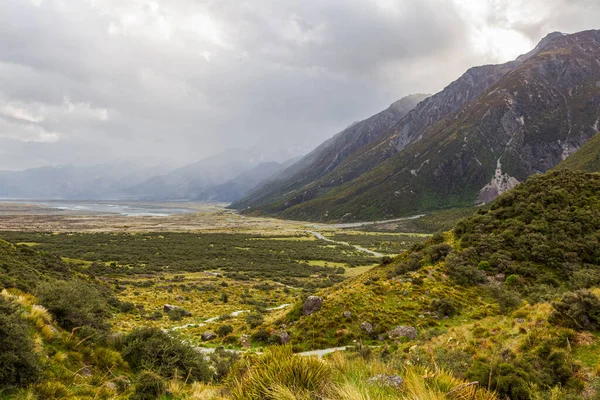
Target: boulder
[(394, 381), (367, 327), (168, 308), (284, 337), (208, 335), (409, 332), (347, 315), (312, 304)]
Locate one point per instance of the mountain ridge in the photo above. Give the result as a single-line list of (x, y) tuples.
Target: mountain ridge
[(531, 114)]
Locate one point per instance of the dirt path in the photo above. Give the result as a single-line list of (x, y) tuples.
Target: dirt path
[(359, 224), (233, 314), (320, 236)]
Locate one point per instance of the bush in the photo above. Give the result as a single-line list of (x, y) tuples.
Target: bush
[(148, 386), (254, 320), (19, 365), (223, 361), (577, 310), (152, 349), (438, 252), (75, 304), (262, 335), (178, 313), (444, 307), (224, 330)]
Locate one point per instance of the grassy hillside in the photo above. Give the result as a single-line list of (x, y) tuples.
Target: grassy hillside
[(504, 298)]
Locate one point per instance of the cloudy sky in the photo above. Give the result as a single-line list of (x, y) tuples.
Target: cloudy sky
[(93, 81)]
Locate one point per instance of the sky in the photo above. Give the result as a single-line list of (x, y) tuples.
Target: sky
[(173, 81)]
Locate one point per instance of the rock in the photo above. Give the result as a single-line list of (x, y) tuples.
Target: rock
[(168, 307), (245, 341), (111, 386), (404, 331), (208, 335), (312, 305), (394, 381), (284, 337), (520, 320), (405, 293), (367, 327), (347, 315)]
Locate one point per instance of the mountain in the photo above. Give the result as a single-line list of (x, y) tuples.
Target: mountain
[(96, 182), (192, 181), (238, 187), (331, 154), (480, 136)]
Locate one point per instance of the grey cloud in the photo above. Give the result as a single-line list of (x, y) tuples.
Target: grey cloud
[(180, 80)]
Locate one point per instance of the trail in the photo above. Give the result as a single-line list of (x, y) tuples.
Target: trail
[(318, 353), (233, 314), (366, 223), (320, 236)]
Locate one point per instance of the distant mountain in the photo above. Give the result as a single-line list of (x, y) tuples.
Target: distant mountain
[(241, 185), (480, 136), (97, 182), (204, 179)]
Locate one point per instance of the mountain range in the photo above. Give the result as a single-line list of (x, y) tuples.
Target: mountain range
[(224, 177), (477, 138)]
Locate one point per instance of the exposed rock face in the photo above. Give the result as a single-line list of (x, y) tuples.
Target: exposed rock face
[(394, 381), (500, 183), (367, 327), (208, 335), (404, 331), (312, 305)]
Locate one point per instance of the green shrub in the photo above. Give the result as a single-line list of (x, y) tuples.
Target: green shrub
[(19, 365), (444, 307), (224, 330), (154, 350), (148, 386), (577, 310), (223, 361), (75, 304), (177, 314), (262, 335), (254, 320), (438, 252)]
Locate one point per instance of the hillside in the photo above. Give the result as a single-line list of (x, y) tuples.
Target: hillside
[(501, 298), (494, 126)]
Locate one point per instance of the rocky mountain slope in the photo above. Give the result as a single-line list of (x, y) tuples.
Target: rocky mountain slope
[(332, 154), (479, 137)]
